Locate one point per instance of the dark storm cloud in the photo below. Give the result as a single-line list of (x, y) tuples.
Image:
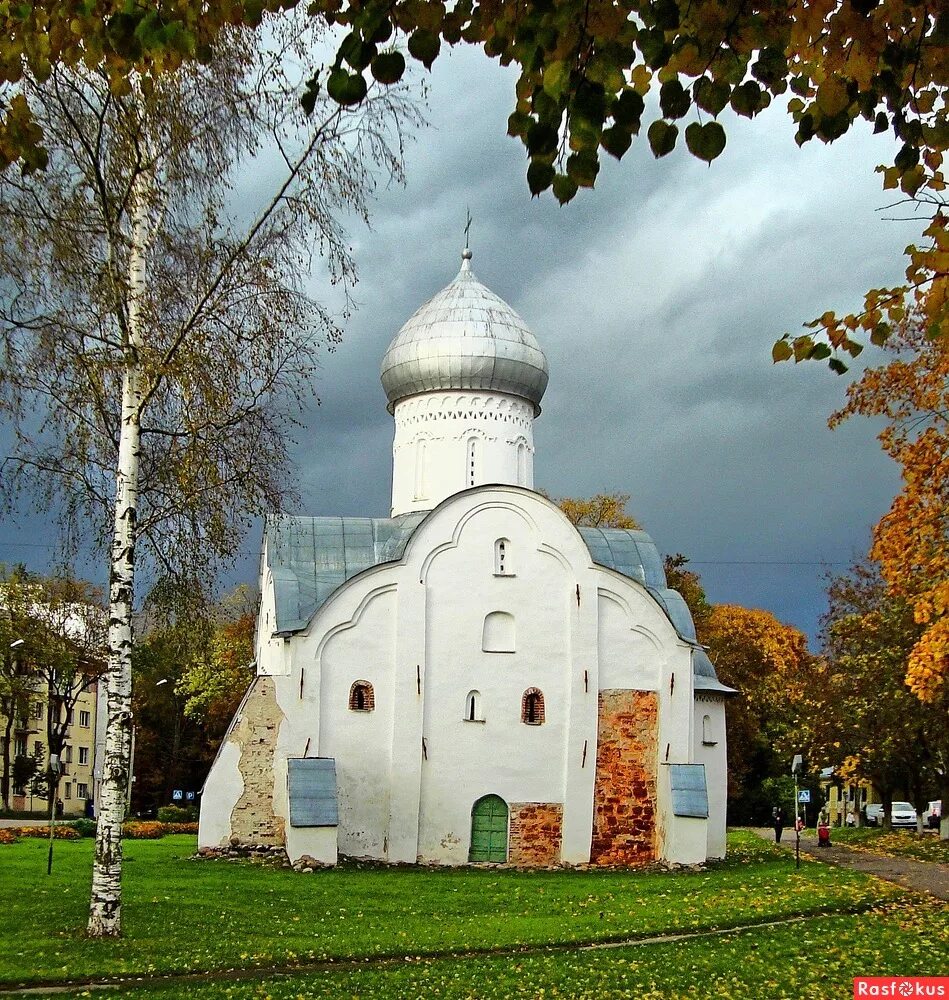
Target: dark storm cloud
[(657, 299)]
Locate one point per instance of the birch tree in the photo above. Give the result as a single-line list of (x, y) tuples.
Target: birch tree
[(159, 338)]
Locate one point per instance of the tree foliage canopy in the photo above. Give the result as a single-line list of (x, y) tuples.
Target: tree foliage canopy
[(593, 75), (911, 542), (603, 510)]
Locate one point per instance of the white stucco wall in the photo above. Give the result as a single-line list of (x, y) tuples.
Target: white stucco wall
[(435, 432), (712, 752), (414, 630)]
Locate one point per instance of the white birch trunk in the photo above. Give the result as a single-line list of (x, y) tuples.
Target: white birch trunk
[(105, 907)]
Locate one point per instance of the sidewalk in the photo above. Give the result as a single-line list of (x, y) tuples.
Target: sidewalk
[(923, 876)]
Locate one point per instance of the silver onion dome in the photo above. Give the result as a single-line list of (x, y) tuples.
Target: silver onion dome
[(465, 337)]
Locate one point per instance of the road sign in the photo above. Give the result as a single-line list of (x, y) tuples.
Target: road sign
[(177, 795), (804, 796), (189, 796)]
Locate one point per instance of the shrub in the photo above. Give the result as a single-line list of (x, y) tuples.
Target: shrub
[(191, 828), (143, 831), (39, 832), (178, 814), (8, 835), (84, 827)]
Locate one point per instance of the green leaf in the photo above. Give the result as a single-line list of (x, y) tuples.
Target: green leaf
[(674, 99), (540, 176), (388, 67), (564, 188), (881, 123), (583, 168), (748, 99), (666, 14), (711, 95), (424, 46), (542, 140), (518, 123), (662, 138), (556, 79), (879, 334), (616, 141), (705, 141), (836, 365), (781, 351), (628, 110), (346, 88), (907, 157), (355, 51), (819, 351)]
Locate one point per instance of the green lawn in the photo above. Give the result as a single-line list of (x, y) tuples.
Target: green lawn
[(191, 915), (895, 843)]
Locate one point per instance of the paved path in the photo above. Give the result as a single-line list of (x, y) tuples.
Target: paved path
[(924, 876)]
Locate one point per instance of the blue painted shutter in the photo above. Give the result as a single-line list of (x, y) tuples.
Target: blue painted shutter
[(312, 787), (689, 792)]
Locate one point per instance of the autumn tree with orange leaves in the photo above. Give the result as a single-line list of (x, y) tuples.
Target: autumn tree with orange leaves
[(769, 664), (859, 715), (911, 542)]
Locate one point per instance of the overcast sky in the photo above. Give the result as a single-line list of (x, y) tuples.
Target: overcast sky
[(656, 298)]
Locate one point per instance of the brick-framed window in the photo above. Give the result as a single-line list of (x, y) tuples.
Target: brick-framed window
[(361, 697), (532, 707)]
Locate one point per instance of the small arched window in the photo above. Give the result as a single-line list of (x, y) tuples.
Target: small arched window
[(502, 557), (708, 737), (532, 707), (361, 697), (497, 635), (473, 707), (522, 464)]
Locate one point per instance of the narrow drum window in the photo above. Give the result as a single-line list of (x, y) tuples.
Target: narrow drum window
[(361, 697), (502, 557), (472, 460), (532, 707), (522, 464), (420, 456), (473, 707)]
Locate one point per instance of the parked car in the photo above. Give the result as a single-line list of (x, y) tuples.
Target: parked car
[(901, 814), (933, 814), (874, 813)]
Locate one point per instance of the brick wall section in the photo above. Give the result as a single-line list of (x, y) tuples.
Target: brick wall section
[(624, 794), (535, 834), (252, 820)]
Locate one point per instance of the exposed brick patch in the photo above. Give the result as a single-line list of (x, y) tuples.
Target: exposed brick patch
[(535, 834), (624, 794), (252, 820)]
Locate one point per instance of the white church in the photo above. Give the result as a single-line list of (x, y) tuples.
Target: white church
[(473, 678)]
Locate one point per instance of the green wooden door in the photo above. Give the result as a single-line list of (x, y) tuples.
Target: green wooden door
[(489, 830)]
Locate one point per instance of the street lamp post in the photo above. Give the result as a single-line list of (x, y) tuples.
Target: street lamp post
[(796, 766)]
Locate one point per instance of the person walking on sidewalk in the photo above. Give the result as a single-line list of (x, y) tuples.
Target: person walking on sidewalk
[(777, 821)]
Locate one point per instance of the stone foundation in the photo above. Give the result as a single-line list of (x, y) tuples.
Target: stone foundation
[(535, 834), (624, 794), (252, 819)]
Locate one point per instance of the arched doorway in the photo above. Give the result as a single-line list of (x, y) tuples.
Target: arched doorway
[(488, 829)]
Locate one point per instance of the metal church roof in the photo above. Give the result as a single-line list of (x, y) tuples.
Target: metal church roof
[(309, 557), (465, 337)]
